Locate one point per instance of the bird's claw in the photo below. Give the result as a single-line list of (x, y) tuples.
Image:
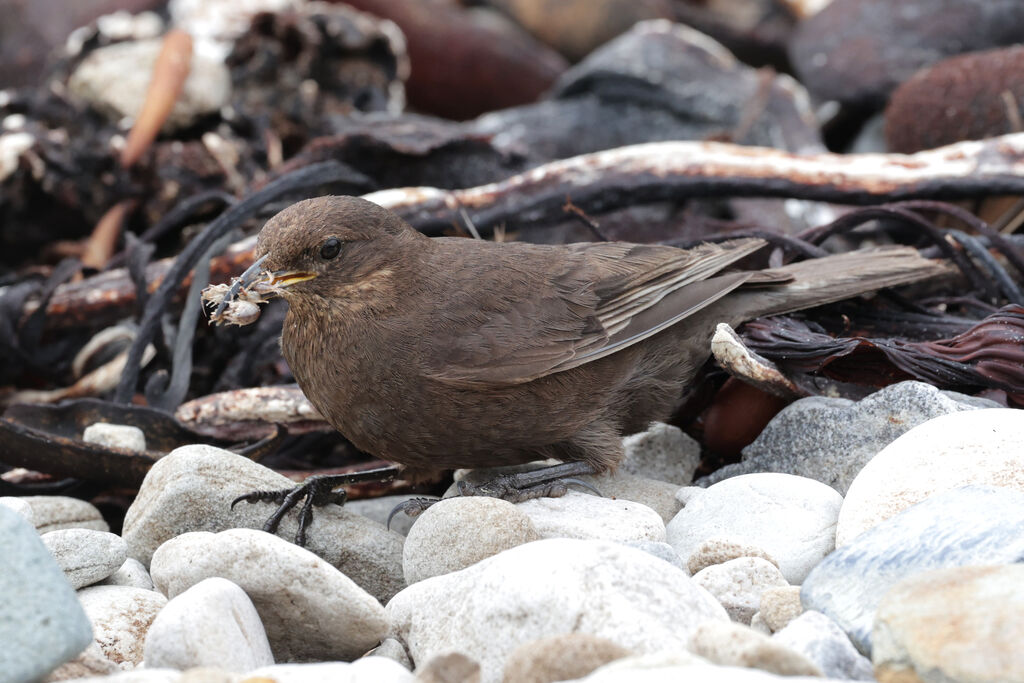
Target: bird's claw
[(413, 507), (317, 491)]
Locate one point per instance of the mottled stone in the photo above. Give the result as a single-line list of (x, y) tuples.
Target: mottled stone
[(87, 556), (780, 605), (719, 550), (662, 452), (51, 513), (972, 525), (121, 616), (561, 658), (822, 641), (832, 439), (731, 644), (127, 437), (738, 584), (961, 624)]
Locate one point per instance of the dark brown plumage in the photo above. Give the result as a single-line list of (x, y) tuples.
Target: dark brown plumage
[(447, 352)]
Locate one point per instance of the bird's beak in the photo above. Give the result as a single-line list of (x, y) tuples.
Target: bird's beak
[(287, 278)]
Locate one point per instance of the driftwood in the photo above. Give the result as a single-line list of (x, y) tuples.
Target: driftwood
[(620, 177)]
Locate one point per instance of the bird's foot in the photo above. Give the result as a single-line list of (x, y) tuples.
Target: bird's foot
[(550, 482), (317, 490), (546, 482)]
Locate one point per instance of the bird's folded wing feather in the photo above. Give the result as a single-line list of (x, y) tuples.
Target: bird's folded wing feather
[(593, 300)]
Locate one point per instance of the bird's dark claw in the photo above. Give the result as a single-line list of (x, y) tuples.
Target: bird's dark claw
[(413, 507)]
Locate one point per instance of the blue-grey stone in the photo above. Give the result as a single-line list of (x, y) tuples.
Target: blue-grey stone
[(966, 526), (41, 623), (831, 439)]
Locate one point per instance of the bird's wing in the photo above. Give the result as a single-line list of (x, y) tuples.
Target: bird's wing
[(574, 306)]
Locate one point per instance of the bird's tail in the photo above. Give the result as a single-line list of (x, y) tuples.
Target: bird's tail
[(833, 278)]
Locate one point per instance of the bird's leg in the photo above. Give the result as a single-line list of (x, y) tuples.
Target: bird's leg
[(318, 490), (549, 482)]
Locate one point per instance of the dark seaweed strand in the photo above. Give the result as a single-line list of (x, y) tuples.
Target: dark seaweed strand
[(995, 238), (303, 178), (32, 330), (168, 395), (137, 256), (857, 218), (979, 253)]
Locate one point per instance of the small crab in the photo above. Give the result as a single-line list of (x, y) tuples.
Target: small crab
[(239, 302)]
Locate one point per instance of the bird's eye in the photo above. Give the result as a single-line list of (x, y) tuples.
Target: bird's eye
[(330, 248)]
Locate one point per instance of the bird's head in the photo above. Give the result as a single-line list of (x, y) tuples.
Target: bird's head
[(333, 246)]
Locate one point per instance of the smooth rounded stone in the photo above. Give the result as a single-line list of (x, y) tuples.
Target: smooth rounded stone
[(310, 610), (457, 532), (758, 623), (378, 510), (51, 513), (129, 65), (660, 496), (547, 588), (791, 518), (191, 489), (780, 605), (365, 670), (87, 556), (152, 676), (718, 550), (663, 452), (561, 658), (448, 667), (959, 624), (131, 573), (738, 584), (583, 516), (128, 437), (120, 617), (731, 644), (832, 439), (41, 623), (643, 670), (393, 649), (976, 447), (822, 641), (857, 51), (661, 550), (213, 623), (973, 525), (19, 506)]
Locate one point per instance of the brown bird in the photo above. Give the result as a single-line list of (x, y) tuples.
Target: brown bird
[(439, 353)]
